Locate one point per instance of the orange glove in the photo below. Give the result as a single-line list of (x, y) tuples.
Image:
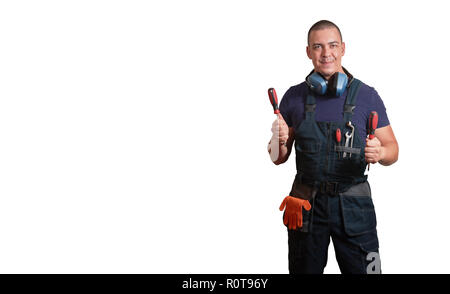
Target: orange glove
[(293, 213)]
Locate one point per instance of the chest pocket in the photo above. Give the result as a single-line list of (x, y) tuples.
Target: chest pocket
[(353, 165), (307, 156)]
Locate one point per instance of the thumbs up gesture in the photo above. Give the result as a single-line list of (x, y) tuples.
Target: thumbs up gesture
[(280, 130)]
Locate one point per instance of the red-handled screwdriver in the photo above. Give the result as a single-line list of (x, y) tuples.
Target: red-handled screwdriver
[(373, 122), (338, 140), (273, 100)]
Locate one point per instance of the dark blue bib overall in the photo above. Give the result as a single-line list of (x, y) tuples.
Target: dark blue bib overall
[(319, 158), (339, 194)]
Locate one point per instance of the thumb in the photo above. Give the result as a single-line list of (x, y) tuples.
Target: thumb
[(280, 116), (306, 205), (283, 204)]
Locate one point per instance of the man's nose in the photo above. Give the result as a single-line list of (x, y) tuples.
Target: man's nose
[(325, 52)]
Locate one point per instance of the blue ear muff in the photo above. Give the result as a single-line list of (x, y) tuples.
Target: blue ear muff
[(336, 84), (317, 83)]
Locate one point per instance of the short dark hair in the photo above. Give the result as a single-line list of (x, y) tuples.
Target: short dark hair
[(323, 24)]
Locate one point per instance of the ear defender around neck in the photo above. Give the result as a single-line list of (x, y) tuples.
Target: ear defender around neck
[(335, 85)]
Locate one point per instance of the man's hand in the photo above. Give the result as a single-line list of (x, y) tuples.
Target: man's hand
[(280, 144), (374, 152), (383, 148), (280, 130)]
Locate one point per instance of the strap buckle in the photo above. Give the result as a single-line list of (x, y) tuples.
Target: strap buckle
[(310, 107), (330, 188)]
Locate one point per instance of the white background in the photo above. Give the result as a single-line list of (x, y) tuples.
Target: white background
[(133, 134)]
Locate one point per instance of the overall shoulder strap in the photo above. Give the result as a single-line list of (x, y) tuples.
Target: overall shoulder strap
[(310, 106), (350, 101)]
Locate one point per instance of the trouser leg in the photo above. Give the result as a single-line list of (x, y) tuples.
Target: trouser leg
[(356, 253), (308, 251)]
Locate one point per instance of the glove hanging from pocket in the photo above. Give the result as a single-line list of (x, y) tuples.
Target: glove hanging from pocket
[(293, 213)]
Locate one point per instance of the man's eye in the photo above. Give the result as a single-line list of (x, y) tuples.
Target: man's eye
[(316, 46)]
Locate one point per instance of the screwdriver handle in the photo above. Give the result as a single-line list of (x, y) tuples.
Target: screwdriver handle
[(373, 122), (338, 140), (273, 100)]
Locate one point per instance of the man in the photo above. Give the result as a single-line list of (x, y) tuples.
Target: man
[(330, 196)]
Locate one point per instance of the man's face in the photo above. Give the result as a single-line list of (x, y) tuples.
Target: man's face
[(326, 49)]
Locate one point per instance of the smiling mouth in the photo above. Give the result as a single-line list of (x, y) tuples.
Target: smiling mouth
[(326, 61)]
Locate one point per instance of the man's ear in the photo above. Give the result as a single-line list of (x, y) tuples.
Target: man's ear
[(343, 48), (308, 53)]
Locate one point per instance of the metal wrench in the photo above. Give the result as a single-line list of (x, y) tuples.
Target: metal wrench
[(349, 124), (348, 136)]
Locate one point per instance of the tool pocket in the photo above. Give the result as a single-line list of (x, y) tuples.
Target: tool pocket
[(307, 157), (303, 191), (307, 219), (348, 166), (358, 211), (371, 257), (355, 152)]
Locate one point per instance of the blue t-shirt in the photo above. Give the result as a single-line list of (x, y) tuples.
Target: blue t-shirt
[(331, 108)]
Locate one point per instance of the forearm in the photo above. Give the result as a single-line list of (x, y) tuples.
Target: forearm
[(279, 153), (389, 153)]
